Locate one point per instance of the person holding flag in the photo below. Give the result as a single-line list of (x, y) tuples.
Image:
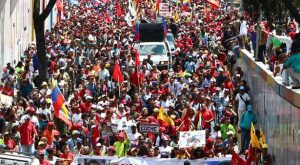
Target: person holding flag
[(247, 129)]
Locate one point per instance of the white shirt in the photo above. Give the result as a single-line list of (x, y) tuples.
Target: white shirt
[(243, 28), (103, 73), (242, 105), (133, 137), (165, 150), (76, 117)]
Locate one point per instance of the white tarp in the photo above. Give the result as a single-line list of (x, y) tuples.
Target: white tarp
[(107, 160), (192, 139)]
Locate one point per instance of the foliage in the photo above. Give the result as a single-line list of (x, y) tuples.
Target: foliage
[(276, 11)]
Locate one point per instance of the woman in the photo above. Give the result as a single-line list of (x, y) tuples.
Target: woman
[(69, 156)]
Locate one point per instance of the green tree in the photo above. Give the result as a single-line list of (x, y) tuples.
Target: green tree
[(273, 10), (39, 27)]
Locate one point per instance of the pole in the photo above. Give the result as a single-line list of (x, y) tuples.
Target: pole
[(258, 35)]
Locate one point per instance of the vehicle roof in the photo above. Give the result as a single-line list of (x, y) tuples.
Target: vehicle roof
[(152, 43)]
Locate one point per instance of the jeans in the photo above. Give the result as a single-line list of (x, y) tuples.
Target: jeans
[(235, 51), (245, 139), (28, 149), (294, 76), (261, 53)]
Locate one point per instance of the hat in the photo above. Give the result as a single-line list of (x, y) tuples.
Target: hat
[(265, 145), (155, 110), (48, 101), (50, 123), (111, 148), (88, 97), (6, 133), (242, 88), (75, 132), (31, 109), (249, 108), (209, 140), (41, 143), (98, 145), (162, 129), (44, 83), (27, 117), (121, 106)]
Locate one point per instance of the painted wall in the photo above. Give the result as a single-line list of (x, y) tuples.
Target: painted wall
[(277, 115), (16, 28)]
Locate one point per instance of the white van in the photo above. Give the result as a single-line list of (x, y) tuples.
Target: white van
[(159, 51)]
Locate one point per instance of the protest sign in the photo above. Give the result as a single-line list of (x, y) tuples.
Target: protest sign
[(165, 10), (149, 128), (192, 139)]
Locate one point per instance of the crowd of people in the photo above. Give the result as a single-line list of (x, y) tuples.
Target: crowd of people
[(205, 92)]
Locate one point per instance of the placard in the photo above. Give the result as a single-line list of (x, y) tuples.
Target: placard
[(192, 139), (149, 128), (165, 9)]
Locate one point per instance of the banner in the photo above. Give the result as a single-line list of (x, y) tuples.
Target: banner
[(149, 128), (113, 160), (192, 139), (165, 9)]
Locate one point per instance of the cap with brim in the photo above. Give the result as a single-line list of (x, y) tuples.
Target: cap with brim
[(44, 83), (230, 133), (98, 145), (265, 145)]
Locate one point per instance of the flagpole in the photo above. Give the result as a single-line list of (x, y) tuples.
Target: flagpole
[(119, 86)]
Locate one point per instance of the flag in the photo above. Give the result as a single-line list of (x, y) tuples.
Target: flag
[(164, 24), (262, 139), (105, 1), (118, 9), (254, 139), (157, 6), (137, 32), (59, 5), (214, 3), (107, 18), (207, 14), (95, 133), (137, 58), (237, 160), (176, 17), (163, 118), (185, 1), (58, 102), (186, 121), (117, 74)]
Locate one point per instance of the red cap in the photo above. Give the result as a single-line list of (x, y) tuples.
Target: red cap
[(162, 129), (31, 109), (209, 140), (50, 123)]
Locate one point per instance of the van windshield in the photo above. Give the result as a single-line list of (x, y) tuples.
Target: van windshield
[(152, 50)]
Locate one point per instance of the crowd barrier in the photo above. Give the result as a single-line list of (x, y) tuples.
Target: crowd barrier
[(277, 108), (82, 159)]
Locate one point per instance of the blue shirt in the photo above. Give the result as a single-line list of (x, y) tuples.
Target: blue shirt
[(293, 61), (246, 120)]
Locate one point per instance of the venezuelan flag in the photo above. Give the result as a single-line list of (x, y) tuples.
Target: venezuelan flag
[(58, 102), (137, 32)]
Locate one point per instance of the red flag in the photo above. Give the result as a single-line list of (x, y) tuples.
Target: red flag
[(59, 5), (117, 75), (107, 17), (214, 3), (186, 121), (118, 9), (96, 134), (207, 14), (137, 59), (237, 160)]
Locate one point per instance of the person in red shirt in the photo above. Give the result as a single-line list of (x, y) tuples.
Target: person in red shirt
[(67, 155), (8, 142), (8, 90), (50, 132), (209, 148), (137, 79), (28, 133), (86, 106), (205, 116), (41, 157)]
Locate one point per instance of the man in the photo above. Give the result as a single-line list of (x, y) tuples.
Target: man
[(242, 98), (122, 145), (41, 157), (225, 128), (28, 133), (292, 65), (243, 31), (265, 157), (74, 139), (50, 132), (245, 126)]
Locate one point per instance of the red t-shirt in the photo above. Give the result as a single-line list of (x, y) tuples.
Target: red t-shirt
[(136, 78), (27, 131), (44, 162), (10, 144), (49, 135), (69, 156), (8, 91), (85, 107), (228, 85)]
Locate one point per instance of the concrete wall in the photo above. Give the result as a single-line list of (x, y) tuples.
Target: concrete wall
[(277, 115), (16, 28)]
